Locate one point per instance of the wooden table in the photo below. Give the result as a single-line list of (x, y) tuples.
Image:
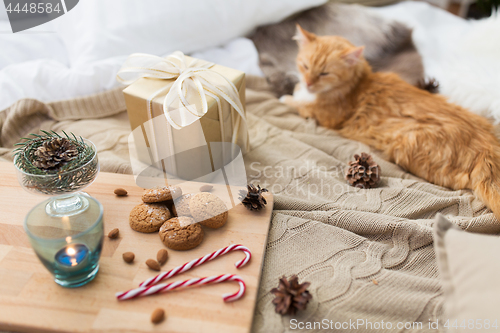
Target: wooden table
[(30, 301)]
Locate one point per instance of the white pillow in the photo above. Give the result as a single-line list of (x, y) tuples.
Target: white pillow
[(99, 29), (469, 269)]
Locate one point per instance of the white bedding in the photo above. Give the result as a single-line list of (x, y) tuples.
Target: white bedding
[(36, 64), (49, 79), (462, 55)]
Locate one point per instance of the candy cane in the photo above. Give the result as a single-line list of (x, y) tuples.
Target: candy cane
[(198, 262), (145, 291)]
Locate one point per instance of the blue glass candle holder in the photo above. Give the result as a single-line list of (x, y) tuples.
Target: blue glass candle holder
[(68, 246)]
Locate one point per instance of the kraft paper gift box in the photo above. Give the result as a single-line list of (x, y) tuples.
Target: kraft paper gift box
[(184, 148)]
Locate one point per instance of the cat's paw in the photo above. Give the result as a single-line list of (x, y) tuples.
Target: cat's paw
[(286, 99)]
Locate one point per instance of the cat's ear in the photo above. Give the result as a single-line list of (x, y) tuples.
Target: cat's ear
[(303, 37), (353, 56)]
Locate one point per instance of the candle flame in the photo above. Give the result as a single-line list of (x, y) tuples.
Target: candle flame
[(71, 251), (68, 239)]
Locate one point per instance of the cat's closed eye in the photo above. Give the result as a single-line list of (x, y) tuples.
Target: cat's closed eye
[(324, 74)]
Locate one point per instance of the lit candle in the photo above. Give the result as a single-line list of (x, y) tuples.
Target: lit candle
[(72, 255)]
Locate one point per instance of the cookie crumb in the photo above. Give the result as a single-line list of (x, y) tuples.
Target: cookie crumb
[(375, 282)]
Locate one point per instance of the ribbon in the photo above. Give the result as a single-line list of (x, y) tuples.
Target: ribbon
[(195, 80)]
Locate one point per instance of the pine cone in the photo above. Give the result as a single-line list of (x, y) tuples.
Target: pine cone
[(291, 295), (54, 153), (363, 172), (429, 84), (253, 199)]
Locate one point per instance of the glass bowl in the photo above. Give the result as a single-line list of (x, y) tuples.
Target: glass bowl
[(65, 185)]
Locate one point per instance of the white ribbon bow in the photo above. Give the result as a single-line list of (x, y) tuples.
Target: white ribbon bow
[(194, 80)]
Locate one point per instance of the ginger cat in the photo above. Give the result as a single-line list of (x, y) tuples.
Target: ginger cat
[(423, 133)]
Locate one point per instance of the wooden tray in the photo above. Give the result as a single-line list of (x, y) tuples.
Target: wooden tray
[(30, 301)]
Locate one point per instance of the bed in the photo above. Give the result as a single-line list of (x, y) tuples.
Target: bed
[(369, 254)]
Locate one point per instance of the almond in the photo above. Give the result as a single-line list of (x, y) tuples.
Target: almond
[(128, 257), (121, 192), (153, 264), (206, 188), (157, 316), (162, 256), (114, 233)]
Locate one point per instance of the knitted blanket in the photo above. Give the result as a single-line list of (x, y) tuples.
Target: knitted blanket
[(367, 253)]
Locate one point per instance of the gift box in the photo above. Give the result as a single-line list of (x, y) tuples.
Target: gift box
[(187, 115)]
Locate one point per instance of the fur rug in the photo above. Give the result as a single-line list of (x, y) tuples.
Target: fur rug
[(389, 45), (463, 55), (472, 76)]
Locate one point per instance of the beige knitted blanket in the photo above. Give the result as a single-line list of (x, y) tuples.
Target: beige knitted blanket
[(367, 253)]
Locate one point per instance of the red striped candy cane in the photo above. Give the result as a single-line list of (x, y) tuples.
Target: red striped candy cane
[(145, 291), (197, 262)]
